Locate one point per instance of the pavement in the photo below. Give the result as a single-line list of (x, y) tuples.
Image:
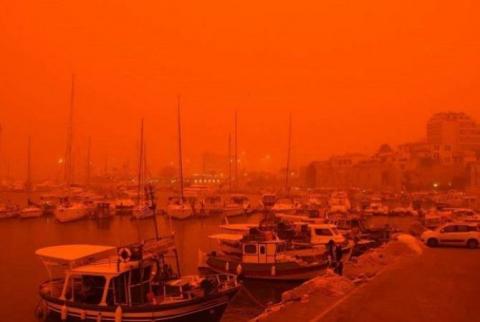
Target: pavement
[(441, 285)]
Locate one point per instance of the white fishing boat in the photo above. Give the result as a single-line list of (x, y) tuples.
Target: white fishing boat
[(265, 257), (236, 205), (133, 283)]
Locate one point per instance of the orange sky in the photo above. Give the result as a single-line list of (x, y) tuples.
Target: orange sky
[(354, 74)]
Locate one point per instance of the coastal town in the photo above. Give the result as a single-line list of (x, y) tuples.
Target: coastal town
[(239, 161), (330, 228)]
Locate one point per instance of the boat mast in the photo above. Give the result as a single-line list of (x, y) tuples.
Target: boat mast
[(229, 162), (180, 157), (141, 166), (236, 151), (89, 163), (28, 184), (68, 162), (287, 174), (1, 155)]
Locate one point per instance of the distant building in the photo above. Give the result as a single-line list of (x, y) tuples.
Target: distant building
[(448, 159), (475, 176), (453, 131)]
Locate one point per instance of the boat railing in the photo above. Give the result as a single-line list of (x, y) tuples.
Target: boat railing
[(187, 289), (52, 287)]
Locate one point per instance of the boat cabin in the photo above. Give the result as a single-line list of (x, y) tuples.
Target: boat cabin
[(264, 252), (110, 276)]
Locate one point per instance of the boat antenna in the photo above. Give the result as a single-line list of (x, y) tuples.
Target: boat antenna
[(180, 157), (289, 148)]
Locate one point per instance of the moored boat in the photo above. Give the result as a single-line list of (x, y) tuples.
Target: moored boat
[(8, 211), (284, 206), (179, 209), (266, 259), (134, 283), (236, 205), (31, 212), (124, 206), (68, 212)]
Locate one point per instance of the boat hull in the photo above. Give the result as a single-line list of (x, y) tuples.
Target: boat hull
[(285, 271), (64, 215), (179, 212), (31, 212), (208, 310), (285, 211)]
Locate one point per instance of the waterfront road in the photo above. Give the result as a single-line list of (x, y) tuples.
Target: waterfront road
[(442, 285)]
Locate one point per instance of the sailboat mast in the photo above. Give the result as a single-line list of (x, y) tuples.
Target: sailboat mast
[(89, 163), (140, 166), (287, 174), (28, 184), (180, 157), (68, 162), (1, 155), (236, 150), (229, 161)]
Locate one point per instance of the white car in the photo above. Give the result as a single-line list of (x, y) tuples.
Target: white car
[(453, 234), (321, 234)]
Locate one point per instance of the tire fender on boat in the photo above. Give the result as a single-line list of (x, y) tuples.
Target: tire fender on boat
[(64, 312), (83, 315), (99, 317), (273, 270), (118, 314), (227, 266), (239, 269)]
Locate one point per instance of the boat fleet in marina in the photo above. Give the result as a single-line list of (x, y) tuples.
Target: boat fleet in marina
[(300, 235)]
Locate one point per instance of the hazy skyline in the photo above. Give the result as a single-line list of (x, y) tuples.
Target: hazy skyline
[(353, 75)]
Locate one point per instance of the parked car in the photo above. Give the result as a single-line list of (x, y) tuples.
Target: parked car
[(453, 234)]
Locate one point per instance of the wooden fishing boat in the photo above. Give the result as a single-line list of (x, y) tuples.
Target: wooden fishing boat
[(134, 283), (265, 258)]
